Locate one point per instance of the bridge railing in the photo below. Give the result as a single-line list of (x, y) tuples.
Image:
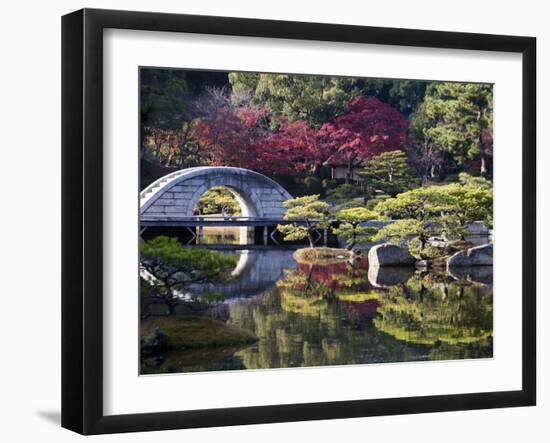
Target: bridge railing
[(207, 217), (157, 220)]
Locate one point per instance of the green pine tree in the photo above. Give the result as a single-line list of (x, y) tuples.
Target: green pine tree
[(309, 215)]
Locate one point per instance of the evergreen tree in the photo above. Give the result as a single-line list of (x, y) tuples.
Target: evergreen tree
[(309, 215), (448, 209), (460, 120), (390, 173), (218, 200), (352, 225)]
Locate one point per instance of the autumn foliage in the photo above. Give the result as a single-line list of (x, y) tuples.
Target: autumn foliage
[(368, 129), (231, 137), (240, 137), (294, 127)]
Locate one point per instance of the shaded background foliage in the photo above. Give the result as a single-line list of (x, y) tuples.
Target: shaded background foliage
[(298, 128)]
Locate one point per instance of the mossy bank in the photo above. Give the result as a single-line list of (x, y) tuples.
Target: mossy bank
[(190, 332)]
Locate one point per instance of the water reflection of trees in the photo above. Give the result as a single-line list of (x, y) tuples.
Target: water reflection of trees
[(426, 312), (326, 315), (309, 289)]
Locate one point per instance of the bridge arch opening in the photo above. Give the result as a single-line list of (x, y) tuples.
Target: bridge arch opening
[(223, 200), (220, 202)]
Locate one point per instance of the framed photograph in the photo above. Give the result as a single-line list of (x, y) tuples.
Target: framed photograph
[(270, 221)]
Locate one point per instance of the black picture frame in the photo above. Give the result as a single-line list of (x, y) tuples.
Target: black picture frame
[(82, 234)]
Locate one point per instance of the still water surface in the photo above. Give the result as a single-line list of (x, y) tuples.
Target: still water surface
[(341, 313)]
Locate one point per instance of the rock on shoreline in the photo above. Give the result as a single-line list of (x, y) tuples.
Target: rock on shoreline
[(387, 254), (478, 256)]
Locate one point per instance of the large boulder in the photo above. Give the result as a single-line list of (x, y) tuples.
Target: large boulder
[(478, 256), (387, 254), (477, 228)]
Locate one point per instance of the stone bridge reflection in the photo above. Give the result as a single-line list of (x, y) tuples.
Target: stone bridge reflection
[(257, 271)]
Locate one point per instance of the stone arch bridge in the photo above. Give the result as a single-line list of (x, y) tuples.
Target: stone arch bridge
[(170, 202), (175, 196)]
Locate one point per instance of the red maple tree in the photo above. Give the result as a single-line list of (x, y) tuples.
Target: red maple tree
[(292, 149), (238, 136), (232, 137), (368, 129)]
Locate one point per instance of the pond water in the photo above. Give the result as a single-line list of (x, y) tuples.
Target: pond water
[(338, 314), (222, 235)]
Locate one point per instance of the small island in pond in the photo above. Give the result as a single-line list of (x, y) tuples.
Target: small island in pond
[(305, 220)]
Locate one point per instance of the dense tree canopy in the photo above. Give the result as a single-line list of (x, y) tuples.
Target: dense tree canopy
[(457, 118), (448, 209), (296, 147), (384, 136), (317, 99), (163, 97), (314, 99), (368, 129), (231, 136)]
